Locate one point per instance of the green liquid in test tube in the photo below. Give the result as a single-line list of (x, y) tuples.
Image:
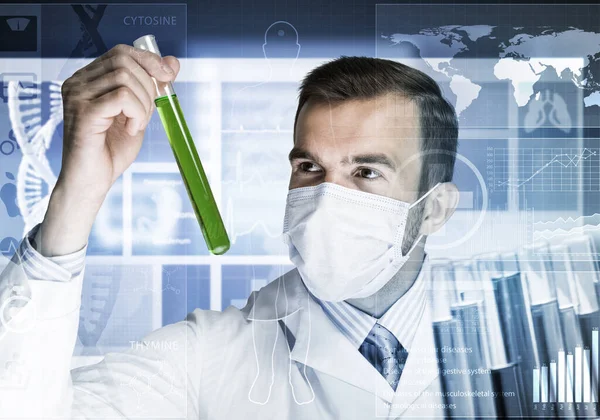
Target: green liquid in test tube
[(187, 159)]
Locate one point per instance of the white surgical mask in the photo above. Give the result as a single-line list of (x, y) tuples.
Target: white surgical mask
[(345, 243)]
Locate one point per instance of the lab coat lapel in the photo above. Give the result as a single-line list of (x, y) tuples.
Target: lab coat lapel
[(317, 341), (320, 345)]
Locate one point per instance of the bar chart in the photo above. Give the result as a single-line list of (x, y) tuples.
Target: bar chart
[(570, 378)]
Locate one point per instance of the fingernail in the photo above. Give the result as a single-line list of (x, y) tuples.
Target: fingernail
[(167, 69)]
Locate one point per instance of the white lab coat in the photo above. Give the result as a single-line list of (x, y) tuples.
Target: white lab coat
[(213, 365)]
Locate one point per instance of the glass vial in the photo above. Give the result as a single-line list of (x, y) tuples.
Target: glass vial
[(186, 156)]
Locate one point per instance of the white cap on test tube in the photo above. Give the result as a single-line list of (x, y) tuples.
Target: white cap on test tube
[(562, 271), (582, 255), (147, 43), (442, 288), (489, 265), (536, 266), (509, 264), (469, 288)]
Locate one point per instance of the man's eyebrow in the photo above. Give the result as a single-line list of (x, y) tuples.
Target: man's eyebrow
[(297, 153), (377, 158), (371, 158)]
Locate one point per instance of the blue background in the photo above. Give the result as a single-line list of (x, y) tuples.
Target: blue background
[(253, 161)]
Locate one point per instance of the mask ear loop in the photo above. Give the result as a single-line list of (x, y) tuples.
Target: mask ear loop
[(414, 245), (424, 195)]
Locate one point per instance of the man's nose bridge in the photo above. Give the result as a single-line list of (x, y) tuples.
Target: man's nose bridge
[(336, 177), (331, 176)]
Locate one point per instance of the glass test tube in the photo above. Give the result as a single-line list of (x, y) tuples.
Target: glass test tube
[(442, 289), (188, 161), (446, 335), (512, 299), (469, 310), (568, 304), (517, 325), (506, 377), (566, 292), (487, 266), (581, 257), (536, 264), (464, 295)]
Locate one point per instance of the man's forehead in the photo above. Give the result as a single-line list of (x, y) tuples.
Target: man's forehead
[(395, 106), (391, 115), (387, 125)]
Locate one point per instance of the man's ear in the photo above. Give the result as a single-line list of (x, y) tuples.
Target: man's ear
[(439, 207)]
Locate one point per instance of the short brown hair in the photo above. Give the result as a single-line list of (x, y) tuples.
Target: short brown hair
[(366, 78)]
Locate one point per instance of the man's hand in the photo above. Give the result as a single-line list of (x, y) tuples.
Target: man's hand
[(107, 106)]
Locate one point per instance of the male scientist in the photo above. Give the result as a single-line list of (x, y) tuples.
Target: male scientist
[(346, 334)]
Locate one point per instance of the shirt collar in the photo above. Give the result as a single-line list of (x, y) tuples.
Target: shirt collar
[(402, 318)]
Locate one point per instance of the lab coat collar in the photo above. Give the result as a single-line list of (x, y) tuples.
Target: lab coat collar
[(320, 345), (279, 299)]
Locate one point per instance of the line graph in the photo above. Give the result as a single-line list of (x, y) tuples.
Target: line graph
[(543, 169), (569, 227)]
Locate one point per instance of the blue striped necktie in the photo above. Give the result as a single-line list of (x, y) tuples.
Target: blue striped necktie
[(383, 350)]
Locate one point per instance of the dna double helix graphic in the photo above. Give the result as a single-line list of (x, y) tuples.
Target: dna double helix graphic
[(35, 178), (100, 292), (33, 132)]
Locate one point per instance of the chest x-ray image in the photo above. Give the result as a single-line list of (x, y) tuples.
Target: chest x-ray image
[(307, 210)]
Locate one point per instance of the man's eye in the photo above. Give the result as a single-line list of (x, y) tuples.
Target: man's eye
[(308, 167), (368, 173)]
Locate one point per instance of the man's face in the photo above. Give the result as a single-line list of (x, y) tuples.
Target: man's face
[(367, 145)]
